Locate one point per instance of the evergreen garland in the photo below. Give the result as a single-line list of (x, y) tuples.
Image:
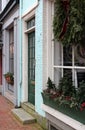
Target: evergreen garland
[(69, 21)]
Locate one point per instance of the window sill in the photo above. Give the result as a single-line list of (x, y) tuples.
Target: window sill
[(71, 123)]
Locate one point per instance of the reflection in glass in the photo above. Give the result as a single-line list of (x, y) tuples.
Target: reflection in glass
[(67, 55), (80, 77), (11, 50), (79, 52), (67, 72)]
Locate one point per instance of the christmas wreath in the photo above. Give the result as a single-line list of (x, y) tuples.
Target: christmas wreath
[(69, 21)]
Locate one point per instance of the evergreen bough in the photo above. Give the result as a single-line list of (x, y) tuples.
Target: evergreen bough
[(69, 21)]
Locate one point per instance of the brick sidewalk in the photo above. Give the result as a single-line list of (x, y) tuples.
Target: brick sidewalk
[(8, 121)]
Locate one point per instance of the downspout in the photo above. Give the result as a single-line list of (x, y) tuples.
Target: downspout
[(21, 7), (16, 65)]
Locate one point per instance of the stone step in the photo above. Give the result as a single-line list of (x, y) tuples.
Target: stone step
[(29, 108), (23, 116)]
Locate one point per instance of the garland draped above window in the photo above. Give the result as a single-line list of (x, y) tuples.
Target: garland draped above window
[(69, 21)]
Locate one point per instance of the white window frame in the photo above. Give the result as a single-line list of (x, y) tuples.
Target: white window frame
[(73, 67)]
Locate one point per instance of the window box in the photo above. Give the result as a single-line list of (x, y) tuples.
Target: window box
[(66, 98), (65, 109)]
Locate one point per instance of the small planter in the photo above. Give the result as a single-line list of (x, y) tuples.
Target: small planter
[(9, 81), (9, 78), (74, 113)]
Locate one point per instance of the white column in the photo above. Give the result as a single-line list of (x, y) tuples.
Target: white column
[(5, 59), (16, 62)]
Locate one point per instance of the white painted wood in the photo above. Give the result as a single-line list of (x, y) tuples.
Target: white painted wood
[(69, 67), (64, 122), (30, 30), (11, 20)]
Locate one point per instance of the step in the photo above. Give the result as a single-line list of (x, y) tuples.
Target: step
[(28, 108), (23, 116)]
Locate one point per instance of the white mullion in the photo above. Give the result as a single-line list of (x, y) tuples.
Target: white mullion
[(62, 59), (52, 60), (47, 42), (30, 30), (73, 65), (52, 4), (74, 74), (69, 67)]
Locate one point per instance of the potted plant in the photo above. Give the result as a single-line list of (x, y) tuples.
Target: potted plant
[(66, 98), (9, 78)]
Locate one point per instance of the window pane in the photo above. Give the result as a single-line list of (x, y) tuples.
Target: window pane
[(67, 72), (11, 55), (80, 77), (79, 55), (57, 75), (11, 50), (31, 23), (57, 54), (11, 66), (67, 56)]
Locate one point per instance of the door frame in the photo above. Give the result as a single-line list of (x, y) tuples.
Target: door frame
[(25, 32)]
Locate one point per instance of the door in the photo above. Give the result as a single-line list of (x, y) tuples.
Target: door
[(31, 68)]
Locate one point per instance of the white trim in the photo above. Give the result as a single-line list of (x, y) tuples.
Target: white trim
[(52, 44), (30, 30), (69, 67), (25, 32), (73, 64), (64, 118), (62, 59), (47, 28)]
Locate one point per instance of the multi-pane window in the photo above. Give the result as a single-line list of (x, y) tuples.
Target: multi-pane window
[(31, 53), (31, 23), (11, 50), (70, 60)]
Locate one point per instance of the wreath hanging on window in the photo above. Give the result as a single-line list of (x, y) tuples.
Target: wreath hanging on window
[(69, 21)]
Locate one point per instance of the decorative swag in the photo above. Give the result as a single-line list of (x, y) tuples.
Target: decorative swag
[(69, 21)]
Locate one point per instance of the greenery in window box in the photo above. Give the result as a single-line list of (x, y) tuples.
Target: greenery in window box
[(9, 78), (81, 95), (66, 93), (66, 86), (65, 98), (69, 21)]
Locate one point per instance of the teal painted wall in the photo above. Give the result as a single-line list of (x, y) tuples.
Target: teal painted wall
[(27, 4), (39, 57)]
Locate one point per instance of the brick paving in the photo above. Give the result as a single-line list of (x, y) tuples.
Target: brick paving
[(8, 121)]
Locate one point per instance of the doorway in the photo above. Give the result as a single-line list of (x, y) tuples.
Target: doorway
[(31, 68)]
